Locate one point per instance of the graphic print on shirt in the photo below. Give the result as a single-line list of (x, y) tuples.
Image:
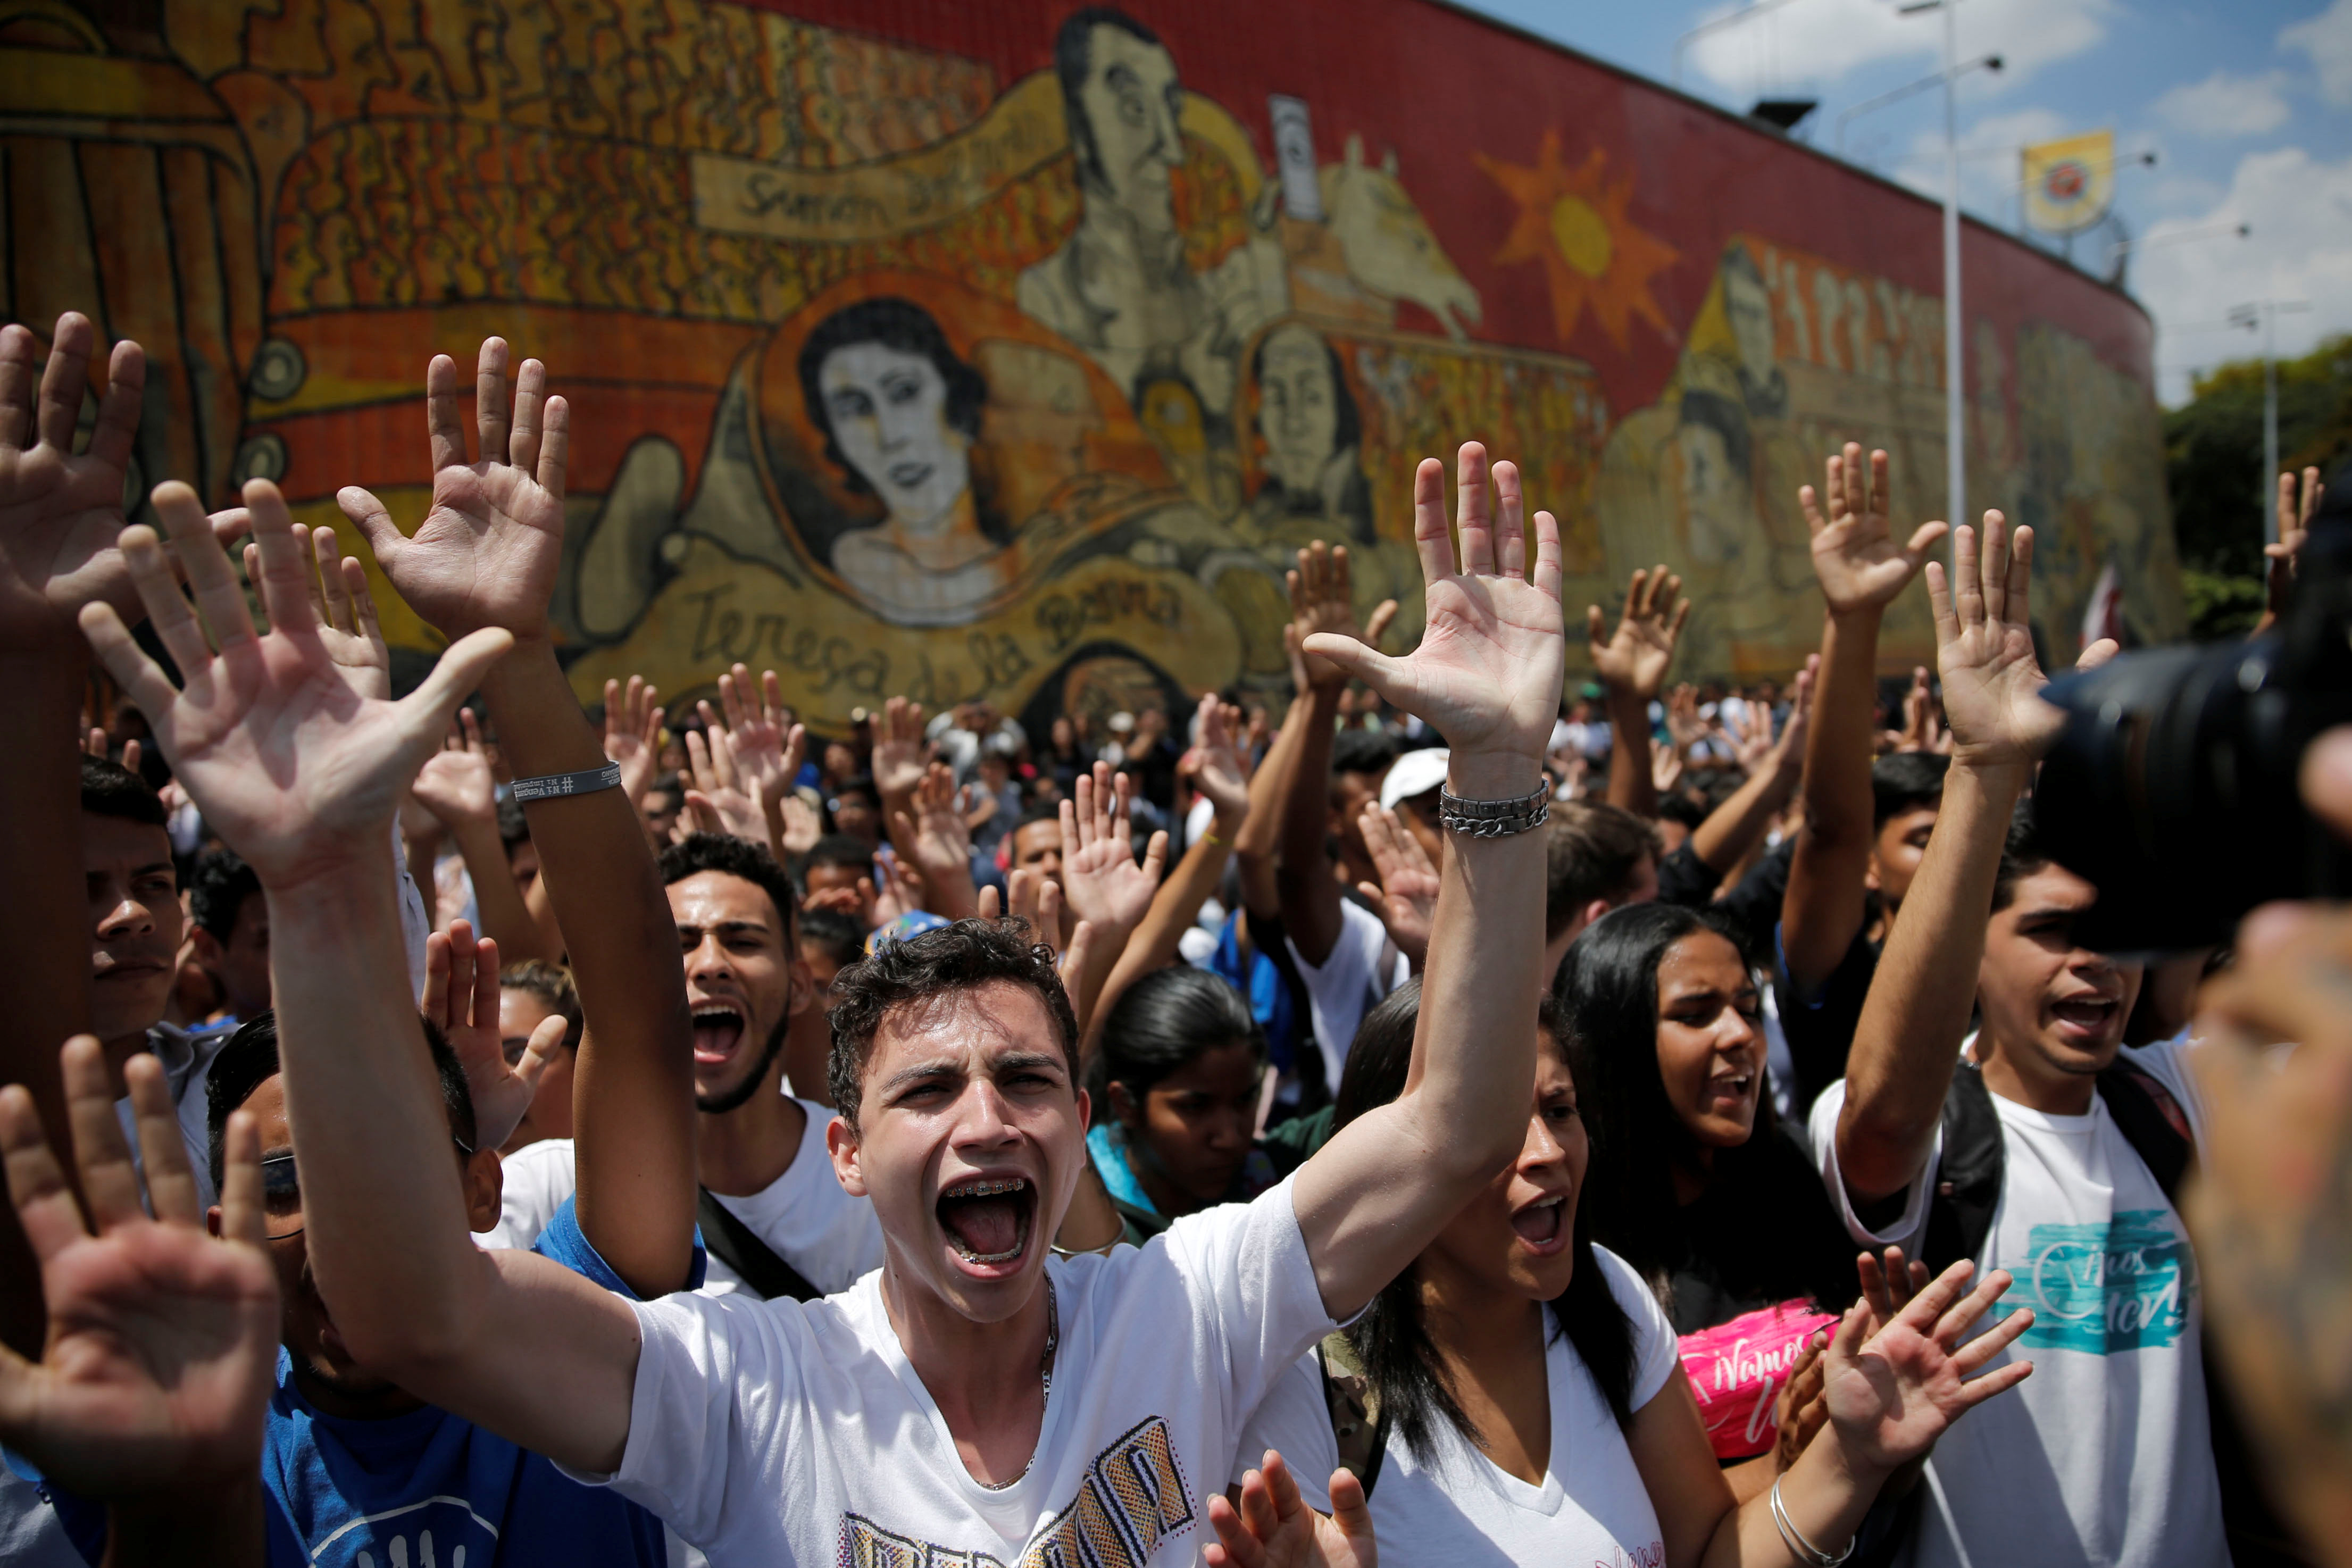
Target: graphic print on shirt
[(2103, 1289), (1133, 1499), (434, 1533)]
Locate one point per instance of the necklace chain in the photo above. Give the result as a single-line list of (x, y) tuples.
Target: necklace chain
[(1044, 1376)]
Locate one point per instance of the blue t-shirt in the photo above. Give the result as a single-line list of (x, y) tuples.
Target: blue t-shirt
[(428, 1490)]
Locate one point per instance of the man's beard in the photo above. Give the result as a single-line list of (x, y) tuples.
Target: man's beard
[(719, 1104)]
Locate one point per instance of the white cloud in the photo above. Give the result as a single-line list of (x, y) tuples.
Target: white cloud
[(1820, 41), (1988, 159), (2300, 208), (2326, 39), (2224, 104)]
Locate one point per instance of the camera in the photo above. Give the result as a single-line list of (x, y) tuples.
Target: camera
[(2173, 787)]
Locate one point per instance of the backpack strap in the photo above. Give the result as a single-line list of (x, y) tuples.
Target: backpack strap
[(1968, 1172), (739, 1247), (1359, 1426)]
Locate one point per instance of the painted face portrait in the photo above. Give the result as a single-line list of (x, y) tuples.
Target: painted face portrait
[(1129, 99), (1750, 310), (1299, 408), (888, 411)]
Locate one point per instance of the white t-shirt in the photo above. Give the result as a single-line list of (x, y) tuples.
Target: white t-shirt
[(1464, 1512), (2104, 1455), (803, 1215), (1362, 967), (782, 1432)]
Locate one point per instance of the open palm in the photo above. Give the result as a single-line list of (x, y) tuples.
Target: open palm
[(1635, 657), (1276, 1527), (486, 554), (1984, 649), (1323, 600), (1101, 880), (1891, 1397), (1488, 673), (162, 1340), (294, 768), (1854, 554)]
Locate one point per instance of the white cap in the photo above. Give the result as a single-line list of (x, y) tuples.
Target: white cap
[(1415, 774)]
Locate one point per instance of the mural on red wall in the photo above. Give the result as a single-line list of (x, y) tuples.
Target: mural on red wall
[(1008, 352)]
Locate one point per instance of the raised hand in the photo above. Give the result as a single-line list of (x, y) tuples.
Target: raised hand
[(1274, 1528), (461, 995), (1854, 554), (1666, 765), (1322, 603), (1406, 894), (1101, 880), (1217, 766), (1634, 659), (1984, 649), (162, 1340), (2286, 552), (936, 837), (1488, 671), (633, 727), (1786, 753), (1892, 1395), (344, 606), (767, 747), (456, 784), (899, 750), (486, 555), (1034, 899), (715, 800), (1923, 730), (295, 769)]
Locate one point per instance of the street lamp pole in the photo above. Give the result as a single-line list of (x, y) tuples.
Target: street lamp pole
[(1956, 453), (2266, 313)]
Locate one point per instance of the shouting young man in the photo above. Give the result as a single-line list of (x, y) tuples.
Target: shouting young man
[(977, 1397)]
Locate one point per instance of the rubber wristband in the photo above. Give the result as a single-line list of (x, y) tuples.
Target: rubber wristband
[(549, 785)]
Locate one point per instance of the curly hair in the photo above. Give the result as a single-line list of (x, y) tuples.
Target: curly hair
[(921, 971)]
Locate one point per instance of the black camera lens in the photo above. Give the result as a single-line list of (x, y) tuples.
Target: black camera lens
[(2173, 789)]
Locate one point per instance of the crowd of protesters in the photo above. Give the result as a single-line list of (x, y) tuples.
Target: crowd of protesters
[(1463, 1111)]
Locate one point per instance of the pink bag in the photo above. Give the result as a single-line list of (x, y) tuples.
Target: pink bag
[(1737, 1371)]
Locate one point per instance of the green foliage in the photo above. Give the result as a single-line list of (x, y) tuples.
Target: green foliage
[(2213, 451), (2220, 606)]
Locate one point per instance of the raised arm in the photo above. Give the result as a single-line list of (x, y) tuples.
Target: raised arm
[(1322, 606), (1632, 663), (1487, 676), (1909, 1040), (1106, 888), (1862, 571), (1732, 829), (485, 557), (300, 773), (1278, 771)]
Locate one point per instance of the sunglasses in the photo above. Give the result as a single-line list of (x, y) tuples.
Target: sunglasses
[(281, 1192)]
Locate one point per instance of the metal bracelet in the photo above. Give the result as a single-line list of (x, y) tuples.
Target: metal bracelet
[(1794, 1539), (549, 785), (1494, 818)]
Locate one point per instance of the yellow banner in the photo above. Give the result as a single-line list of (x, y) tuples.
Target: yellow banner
[(2070, 182)]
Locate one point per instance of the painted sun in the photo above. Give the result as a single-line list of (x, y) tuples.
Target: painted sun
[(1573, 221)]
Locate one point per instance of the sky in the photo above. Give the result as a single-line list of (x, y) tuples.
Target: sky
[(2247, 105)]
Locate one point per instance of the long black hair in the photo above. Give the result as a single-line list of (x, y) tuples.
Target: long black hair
[(1391, 1338), (1607, 990), (1165, 1020)]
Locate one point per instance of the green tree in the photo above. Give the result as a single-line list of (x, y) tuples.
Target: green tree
[(2213, 457)]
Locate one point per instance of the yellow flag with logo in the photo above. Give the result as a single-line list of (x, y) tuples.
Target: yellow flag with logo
[(2069, 183)]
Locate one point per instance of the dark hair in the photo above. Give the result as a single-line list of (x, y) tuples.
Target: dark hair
[(2022, 853), (1713, 411), (921, 971), (250, 1059), (1347, 425), (1608, 993), (1163, 1021), (109, 789), (1905, 781), (835, 932), (862, 784), (217, 889), (1591, 851), (1682, 808), (552, 984), (1391, 1337), (1361, 752), (894, 323), (1040, 811), (721, 852), (514, 827), (838, 850), (670, 785), (1073, 59)]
